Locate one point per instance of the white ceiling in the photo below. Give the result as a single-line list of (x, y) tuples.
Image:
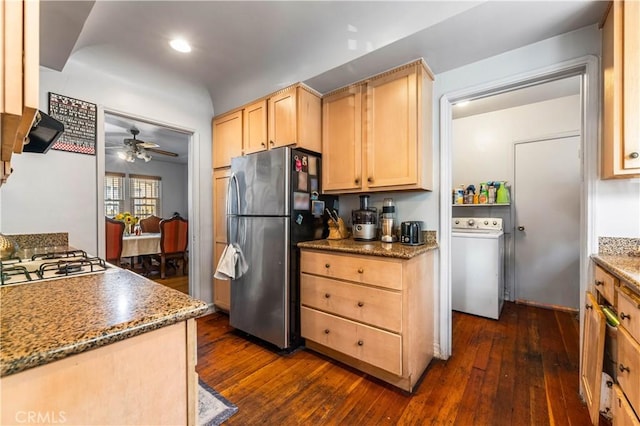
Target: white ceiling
[(245, 50), (118, 128)]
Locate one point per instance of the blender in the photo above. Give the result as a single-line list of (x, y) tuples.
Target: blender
[(388, 221), (364, 221)]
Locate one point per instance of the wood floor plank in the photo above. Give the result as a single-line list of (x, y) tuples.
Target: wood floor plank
[(506, 372)]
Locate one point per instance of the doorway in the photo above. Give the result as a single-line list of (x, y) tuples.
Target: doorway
[(587, 68), (150, 161), (547, 210)]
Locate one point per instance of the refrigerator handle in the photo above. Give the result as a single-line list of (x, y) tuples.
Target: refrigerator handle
[(233, 180)]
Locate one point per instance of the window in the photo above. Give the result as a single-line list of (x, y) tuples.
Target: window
[(113, 193), (145, 195)]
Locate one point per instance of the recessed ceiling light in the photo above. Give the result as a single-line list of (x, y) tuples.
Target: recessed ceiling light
[(180, 45)]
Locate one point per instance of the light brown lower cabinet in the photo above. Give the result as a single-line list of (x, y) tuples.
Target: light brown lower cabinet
[(613, 291), (623, 414), (147, 379), (358, 312)]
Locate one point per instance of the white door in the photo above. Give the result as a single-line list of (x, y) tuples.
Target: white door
[(547, 222)]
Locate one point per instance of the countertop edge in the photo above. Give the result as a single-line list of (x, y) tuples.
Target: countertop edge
[(119, 333), (376, 248), (611, 264)]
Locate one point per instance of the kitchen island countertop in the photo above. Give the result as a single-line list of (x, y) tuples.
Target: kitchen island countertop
[(372, 248), (626, 268), (45, 321)]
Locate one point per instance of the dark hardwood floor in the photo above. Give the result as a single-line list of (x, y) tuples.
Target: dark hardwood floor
[(521, 370)]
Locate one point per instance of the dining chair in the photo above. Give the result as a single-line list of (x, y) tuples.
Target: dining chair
[(174, 238), (113, 231), (150, 224)]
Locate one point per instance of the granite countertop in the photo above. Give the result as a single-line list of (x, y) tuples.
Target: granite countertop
[(372, 248), (626, 268), (45, 321)]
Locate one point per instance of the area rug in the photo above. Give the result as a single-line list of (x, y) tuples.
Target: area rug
[(213, 408)]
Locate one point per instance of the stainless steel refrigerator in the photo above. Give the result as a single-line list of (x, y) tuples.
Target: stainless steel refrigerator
[(273, 202)]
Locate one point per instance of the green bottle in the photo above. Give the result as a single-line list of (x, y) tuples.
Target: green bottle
[(502, 195)]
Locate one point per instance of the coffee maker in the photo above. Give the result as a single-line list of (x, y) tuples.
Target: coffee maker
[(388, 221), (364, 221)]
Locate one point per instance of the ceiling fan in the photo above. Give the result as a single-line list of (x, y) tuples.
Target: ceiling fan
[(136, 148)]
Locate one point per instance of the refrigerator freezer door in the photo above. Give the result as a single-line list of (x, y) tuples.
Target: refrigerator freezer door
[(260, 298), (263, 182)]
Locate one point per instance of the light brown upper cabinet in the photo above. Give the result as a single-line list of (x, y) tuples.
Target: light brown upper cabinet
[(227, 138), (255, 127), (342, 139), (377, 133), (291, 116), (621, 98), (294, 118), (19, 76)]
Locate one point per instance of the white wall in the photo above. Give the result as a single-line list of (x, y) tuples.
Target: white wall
[(174, 178), (58, 191), (483, 144)]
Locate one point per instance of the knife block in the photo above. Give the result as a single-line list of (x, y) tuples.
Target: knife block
[(337, 231)]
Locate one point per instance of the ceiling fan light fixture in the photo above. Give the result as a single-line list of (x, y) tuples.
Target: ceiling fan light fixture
[(181, 45)]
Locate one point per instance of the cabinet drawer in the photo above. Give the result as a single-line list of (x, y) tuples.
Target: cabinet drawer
[(629, 311), (605, 283), (363, 269), (380, 308), (371, 345), (623, 415), (629, 367)]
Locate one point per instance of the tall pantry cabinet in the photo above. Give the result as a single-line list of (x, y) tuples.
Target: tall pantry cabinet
[(288, 117), (377, 133)]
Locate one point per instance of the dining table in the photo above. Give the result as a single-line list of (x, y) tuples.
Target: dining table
[(139, 245)]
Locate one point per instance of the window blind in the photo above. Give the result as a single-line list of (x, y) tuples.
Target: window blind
[(113, 193)]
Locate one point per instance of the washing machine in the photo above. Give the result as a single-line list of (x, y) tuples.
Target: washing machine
[(477, 266)]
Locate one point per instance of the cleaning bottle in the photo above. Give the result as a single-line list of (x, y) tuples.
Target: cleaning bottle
[(502, 195), (484, 194)]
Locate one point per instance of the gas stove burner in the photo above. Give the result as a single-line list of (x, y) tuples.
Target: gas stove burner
[(59, 255), (14, 270), (48, 266), (69, 268)]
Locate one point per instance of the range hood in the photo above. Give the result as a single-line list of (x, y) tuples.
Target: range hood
[(45, 131)]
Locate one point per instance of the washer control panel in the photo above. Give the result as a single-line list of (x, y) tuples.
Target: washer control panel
[(479, 223)]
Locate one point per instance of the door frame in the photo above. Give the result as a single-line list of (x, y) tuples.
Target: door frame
[(193, 189), (588, 68)]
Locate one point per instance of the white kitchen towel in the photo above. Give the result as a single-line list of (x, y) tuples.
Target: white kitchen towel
[(226, 269), (241, 263), (232, 264)]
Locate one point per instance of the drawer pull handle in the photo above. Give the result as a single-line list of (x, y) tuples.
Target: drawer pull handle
[(587, 306), (360, 304), (326, 331), (263, 144), (370, 179), (634, 155), (272, 143), (327, 295), (360, 343), (326, 265), (624, 316), (622, 368), (357, 181), (599, 283), (360, 271)]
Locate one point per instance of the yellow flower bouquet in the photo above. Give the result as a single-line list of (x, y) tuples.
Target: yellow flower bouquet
[(128, 219)]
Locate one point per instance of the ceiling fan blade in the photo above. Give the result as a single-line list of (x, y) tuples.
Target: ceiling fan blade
[(140, 143), (162, 152)]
